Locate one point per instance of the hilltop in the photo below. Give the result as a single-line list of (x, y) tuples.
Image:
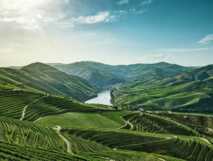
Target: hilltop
[(44, 78), (103, 76)]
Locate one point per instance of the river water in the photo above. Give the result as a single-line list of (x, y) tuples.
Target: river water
[(103, 97)]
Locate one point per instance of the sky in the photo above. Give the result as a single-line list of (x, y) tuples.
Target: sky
[(108, 31)]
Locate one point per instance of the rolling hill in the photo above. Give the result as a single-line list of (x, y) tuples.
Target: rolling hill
[(40, 77), (97, 74), (64, 129), (24, 105), (41, 118), (188, 91), (104, 76)]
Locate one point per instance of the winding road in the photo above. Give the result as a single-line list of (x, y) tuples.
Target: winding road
[(25, 107), (68, 144)]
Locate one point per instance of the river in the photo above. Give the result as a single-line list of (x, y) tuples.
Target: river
[(103, 97)]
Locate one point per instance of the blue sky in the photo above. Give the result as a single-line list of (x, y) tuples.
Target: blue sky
[(109, 31)]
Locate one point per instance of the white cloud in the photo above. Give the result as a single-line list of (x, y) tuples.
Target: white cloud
[(123, 2), (31, 14), (207, 39), (101, 17)]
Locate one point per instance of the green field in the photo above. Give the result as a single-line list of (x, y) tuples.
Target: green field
[(76, 120)]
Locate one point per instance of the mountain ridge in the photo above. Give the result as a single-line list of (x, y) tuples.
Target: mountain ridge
[(103, 75), (44, 78)]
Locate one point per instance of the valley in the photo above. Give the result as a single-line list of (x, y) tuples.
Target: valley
[(106, 80), (67, 112)]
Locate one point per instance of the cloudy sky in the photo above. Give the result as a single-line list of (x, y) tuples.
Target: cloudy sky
[(109, 31)]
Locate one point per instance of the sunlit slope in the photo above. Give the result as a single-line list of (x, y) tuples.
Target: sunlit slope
[(200, 122), (76, 120), (12, 103), (84, 119), (146, 122), (191, 92), (94, 150), (44, 78), (167, 137), (31, 106), (12, 152), (20, 141), (27, 134), (194, 148)]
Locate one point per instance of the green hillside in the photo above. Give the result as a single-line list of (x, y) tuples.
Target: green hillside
[(98, 74), (189, 91), (28, 134), (103, 75), (154, 116), (44, 78), (153, 123), (83, 120), (11, 152), (64, 129), (30, 106), (194, 148)]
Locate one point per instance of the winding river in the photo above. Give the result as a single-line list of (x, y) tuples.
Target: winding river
[(103, 97)]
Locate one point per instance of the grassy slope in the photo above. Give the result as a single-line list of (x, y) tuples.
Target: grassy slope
[(41, 77), (20, 141), (200, 122), (190, 92), (95, 133), (28, 134), (12, 104), (85, 135), (154, 123), (76, 120), (101, 142), (11, 152), (194, 148), (91, 149)]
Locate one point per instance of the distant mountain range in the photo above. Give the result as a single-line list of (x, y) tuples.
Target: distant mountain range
[(160, 86), (104, 76)]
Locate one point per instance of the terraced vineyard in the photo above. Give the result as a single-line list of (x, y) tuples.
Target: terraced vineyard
[(194, 148), (11, 152), (36, 125), (31, 106), (153, 123), (27, 134), (13, 102)]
